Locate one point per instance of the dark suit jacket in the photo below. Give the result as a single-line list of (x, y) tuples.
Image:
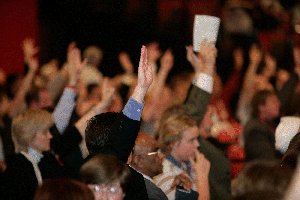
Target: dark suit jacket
[(219, 176), (259, 139), (154, 192), (19, 180)]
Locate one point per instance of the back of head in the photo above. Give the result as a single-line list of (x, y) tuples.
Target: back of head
[(94, 55), (104, 169), (26, 125), (259, 176), (99, 131), (66, 189), (258, 100)]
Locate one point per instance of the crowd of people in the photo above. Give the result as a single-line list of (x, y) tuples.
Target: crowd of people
[(69, 132)]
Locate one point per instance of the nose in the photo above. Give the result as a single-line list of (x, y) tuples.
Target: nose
[(196, 143), (49, 135), (161, 155)]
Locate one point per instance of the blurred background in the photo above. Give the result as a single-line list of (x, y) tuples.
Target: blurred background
[(116, 25)]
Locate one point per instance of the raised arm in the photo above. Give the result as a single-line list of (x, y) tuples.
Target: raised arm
[(200, 92), (19, 99), (107, 95), (56, 85), (63, 110), (166, 64)]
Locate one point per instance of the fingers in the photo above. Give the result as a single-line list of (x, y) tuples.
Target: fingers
[(143, 57)]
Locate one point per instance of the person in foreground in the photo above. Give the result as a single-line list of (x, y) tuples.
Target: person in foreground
[(115, 133), (106, 176)]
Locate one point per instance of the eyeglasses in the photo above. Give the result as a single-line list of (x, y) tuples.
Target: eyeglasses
[(111, 189)]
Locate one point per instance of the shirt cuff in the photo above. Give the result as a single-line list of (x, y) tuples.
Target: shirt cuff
[(133, 109), (204, 82)]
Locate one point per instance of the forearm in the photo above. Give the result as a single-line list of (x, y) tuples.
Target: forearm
[(19, 98), (199, 96), (139, 94), (56, 86), (82, 122), (63, 110)]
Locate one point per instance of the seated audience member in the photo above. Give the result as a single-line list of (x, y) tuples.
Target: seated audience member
[(28, 167), (147, 160), (195, 105), (261, 177), (106, 176), (64, 189), (179, 139), (259, 135), (115, 133)]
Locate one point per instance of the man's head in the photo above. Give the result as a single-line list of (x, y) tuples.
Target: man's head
[(100, 130), (38, 98), (145, 156), (265, 105)]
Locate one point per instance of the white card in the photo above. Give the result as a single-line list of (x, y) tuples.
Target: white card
[(205, 27)]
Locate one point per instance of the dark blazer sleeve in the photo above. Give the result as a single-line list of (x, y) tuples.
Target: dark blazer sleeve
[(196, 102), (219, 176)]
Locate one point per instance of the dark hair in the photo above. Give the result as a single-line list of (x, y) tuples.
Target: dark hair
[(66, 189), (282, 52), (32, 96), (262, 175), (290, 157), (100, 131), (258, 100), (104, 169), (91, 87)]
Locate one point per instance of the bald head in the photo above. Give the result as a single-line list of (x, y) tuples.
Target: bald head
[(145, 157), (143, 143)]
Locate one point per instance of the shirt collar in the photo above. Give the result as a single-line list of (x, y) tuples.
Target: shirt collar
[(35, 155)]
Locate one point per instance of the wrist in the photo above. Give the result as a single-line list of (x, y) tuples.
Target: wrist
[(139, 94), (72, 87)]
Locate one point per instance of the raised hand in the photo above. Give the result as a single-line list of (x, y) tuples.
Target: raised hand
[(126, 63), (107, 92), (167, 60), (255, 55), (206, 58), (29, 49), (145, 77), (238, 57), (75, 65), (145, 74)]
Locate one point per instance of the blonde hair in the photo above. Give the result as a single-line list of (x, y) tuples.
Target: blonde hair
[(172, 128), (26, 125)]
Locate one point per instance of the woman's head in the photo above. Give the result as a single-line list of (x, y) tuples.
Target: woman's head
[(178, 136), (31, 128), (106, 176), (66, 189)]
